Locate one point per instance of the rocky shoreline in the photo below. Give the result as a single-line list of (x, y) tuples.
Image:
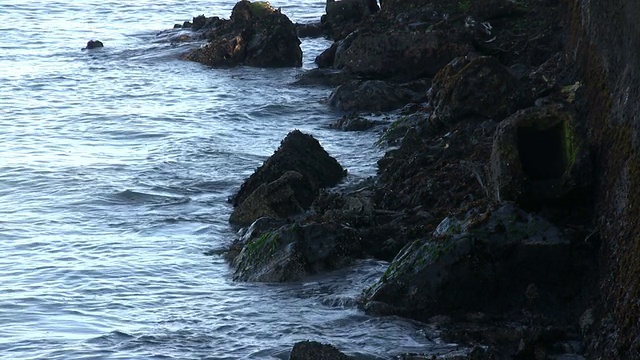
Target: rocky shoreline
[(484, 201)]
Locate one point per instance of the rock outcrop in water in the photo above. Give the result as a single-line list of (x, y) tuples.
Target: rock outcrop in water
[(300, 153), (312, 350), (510, 118), (93, 44), (256, 35)]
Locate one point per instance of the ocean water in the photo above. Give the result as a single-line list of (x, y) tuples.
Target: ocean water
[(115, 167)]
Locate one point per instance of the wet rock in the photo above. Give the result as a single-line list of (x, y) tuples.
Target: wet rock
[(343, 16), (93, 44), (327, 57), (540, 156), (354, 208), (376, 95), (257, 35), (289, 195), (323, 77), (301, 153), (245, 234), (198, 22), (294, 251), (399, 127), (483, 263), (474, 87), (381, 53), (354, 122), (312, 350)]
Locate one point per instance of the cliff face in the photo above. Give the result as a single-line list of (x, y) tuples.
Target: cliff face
[(605, 44)]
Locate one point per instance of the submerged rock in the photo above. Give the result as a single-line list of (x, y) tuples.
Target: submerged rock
[(354, 122), (324, 77), (314, 169), (257, 35), (313, 350)]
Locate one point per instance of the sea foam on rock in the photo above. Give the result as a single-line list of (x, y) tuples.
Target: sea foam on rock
[(291, 252)]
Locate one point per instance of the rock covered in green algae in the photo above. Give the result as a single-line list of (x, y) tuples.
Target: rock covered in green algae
[(292, 252), (478, 267), (289, 195), (539, 156)]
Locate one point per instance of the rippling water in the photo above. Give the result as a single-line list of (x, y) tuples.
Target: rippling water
[(115, 166)]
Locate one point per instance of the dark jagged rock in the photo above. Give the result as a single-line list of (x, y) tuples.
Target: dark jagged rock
[(474, 87), (540, 156), (377, 95), (300, 153), (312, 350), (355, 209), (289, 195), (93, 44), (327, 57), (502, 262), (257, 35), (294, 251), (342, 17), (399, 53)]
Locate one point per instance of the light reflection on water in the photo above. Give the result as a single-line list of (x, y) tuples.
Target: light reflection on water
[(115, 167)]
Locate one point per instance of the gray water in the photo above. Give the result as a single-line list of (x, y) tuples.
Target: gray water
[(115, 167)]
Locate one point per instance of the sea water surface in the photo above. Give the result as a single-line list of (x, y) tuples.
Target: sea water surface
[(115, 168)]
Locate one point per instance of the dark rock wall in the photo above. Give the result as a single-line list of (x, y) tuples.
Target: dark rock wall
[(604, 42)]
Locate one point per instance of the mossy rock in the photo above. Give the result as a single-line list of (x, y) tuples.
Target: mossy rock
[(291, 252), (482, 263), (540, 155)]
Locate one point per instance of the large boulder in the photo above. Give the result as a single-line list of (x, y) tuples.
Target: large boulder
[(292, 252), (303, 154), (540, 155), (505, 261), (377, 95), (257, 35), (474, 87), (384, 53)]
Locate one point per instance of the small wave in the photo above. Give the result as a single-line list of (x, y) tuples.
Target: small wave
[(112, 338), (341, 302), (136, 197)]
